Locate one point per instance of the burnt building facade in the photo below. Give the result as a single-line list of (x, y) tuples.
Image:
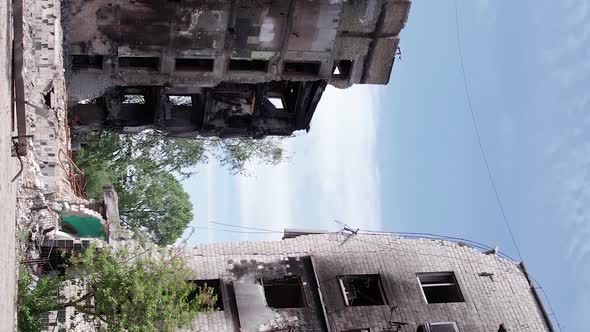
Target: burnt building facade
[(221, 67), (366, 282)]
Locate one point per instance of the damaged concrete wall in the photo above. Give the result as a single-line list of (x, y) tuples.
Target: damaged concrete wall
[(245, 294), (203, 43), (495, 290), (228, 110), (194, 47)]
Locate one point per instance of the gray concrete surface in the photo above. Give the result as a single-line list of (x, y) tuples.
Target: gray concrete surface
[(8, 168)]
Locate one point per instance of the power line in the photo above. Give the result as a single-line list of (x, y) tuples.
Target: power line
[(246, 227), (485, 159), (432, 236), (478, 136), (231, 230)]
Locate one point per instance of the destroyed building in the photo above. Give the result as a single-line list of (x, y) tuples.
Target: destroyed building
[(317, 281), (221, 67), (367, 282)]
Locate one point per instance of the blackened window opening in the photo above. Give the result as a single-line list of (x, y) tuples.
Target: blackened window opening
[(248, 65), (87, 61), (363, 290), (284, 293), (438, 327), (47, 97), (440, 287), (194, 64), (139, 62), (201, 285), (301, 68)]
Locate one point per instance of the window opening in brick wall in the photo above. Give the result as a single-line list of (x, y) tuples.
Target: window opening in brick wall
[(134, 99), (362, 290), (440, 287), (181, 100), (139, 62), (47, 97), (301, 68), (248, 65), (438, 327), (194, 64), (88, 101), (284, 293), (214, 284), (277, 102), (342, 69), (87, 61)]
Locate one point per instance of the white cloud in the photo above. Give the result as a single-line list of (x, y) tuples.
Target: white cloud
[(264, 199), (332, 172)]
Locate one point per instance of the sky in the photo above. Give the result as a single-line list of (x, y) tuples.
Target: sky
[(404, 157)]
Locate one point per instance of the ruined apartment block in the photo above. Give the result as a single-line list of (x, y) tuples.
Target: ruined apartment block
[(221, 67), (376, 283)]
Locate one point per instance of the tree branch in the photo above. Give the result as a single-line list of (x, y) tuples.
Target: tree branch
[(73, 303)]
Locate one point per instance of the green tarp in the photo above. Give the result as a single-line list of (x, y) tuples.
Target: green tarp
[(82, 226)]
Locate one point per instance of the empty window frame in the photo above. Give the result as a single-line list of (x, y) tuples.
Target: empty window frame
[(194, 64), (277, 102), (438, 327), (284, 293), (342, 69), (204, 285), (301, 68), (135, 99), (362, 290), (248, 65), (151, 63), (80, 61), (88, 101), (180, 100), (440, 287)]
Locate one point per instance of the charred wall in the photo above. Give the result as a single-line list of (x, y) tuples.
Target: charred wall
[(382, 279), (223, 50), (227, 110), (203, 43)]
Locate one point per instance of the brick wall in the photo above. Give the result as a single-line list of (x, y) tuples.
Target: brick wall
[(495, 289)]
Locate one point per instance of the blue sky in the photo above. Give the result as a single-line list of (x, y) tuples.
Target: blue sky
[(405, 157)]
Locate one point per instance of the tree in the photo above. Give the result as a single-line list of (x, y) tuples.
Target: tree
[(152, 201), (236, 153), (140, 166), (156, 205), (128, 289)]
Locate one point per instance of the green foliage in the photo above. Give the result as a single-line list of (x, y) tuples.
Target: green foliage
[(129, 289), (34, 299), (236, 153), (152, 201), (157, 205), (101, 162)]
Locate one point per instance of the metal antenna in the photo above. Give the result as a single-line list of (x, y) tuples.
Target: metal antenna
[(346, 228)]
